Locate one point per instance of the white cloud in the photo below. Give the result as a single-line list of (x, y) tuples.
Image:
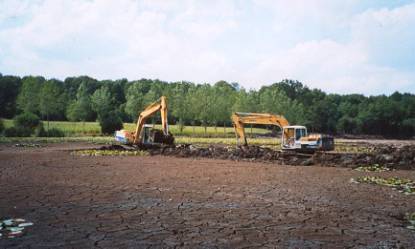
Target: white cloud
[(332, 66), (325, 44), (387, 35), (359, 64)]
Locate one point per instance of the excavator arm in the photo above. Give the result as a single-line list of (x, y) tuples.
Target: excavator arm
[(239, 120), (159, 105), (141, 134)]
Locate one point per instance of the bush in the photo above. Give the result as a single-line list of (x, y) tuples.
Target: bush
[(53, 132), (40, 131), (110, 123), (1, 126), (18, 132), (26, 120)]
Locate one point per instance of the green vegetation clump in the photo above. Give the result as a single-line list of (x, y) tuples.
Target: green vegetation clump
[(353, 148), (51, 132), (110, 153), (110, 123), (1, 126), (373, 168), (405, 186), (27, 120), (411, 220), (25, 125), (18, 132)]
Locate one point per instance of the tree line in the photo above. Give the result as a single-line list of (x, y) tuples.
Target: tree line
[(86, 99)]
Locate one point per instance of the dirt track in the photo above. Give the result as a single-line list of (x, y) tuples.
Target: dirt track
[(166, 202)]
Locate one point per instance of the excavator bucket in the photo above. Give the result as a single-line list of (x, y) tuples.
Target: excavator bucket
[(158, 137)]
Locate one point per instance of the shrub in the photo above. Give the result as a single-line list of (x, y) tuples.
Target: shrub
[(26, 120), (40, 130), (110, 123), (53, 132), (1, 126), (10, 132), (18, 132)]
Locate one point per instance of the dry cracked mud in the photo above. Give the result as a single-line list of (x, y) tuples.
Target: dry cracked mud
[(170, 202)]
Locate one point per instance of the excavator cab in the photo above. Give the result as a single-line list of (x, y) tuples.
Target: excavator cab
[(292, 135), (146, 134), (126, 137), (295, 137)]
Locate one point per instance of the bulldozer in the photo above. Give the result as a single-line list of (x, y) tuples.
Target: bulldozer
[(145, 134), (294, 137)]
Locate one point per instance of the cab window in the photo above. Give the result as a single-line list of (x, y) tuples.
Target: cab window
[(298, 134)]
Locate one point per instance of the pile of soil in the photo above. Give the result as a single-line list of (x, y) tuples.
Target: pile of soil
[(391, 156)]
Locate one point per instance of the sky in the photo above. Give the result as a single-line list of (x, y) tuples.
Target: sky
[(354, 46)]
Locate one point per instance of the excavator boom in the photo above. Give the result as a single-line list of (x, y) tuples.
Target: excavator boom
[(159, 105), (239, 119), (141, 135)]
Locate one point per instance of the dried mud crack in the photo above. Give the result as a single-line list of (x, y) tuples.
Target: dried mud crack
[(202, 202)]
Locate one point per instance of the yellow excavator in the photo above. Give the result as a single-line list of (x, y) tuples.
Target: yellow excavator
[(294, 137), (145, 134)]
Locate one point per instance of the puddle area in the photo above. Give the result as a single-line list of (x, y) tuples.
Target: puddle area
[(13, 228)]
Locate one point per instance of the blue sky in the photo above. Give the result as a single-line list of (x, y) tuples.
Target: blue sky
[(339, 46)]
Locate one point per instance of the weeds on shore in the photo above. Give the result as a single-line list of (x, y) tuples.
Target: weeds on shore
[(405, 186), (373, 168), (110, 153), (411, 220)]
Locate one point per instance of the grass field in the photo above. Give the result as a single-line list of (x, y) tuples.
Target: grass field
[(110, 140), (77, 129), (90, 132)]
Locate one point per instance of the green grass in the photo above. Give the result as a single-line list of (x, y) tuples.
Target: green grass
[(110, 140), (227, 141), (96, 140), (77, 129)]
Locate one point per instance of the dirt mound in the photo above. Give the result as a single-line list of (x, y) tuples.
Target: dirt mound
[(393, 157), (112, 147)]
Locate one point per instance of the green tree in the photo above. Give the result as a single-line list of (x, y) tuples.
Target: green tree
[(224, 96), (103, 104), (9, 89), (134, 100), (246, 101), (52, 100), (102, 101), (81, 109), (201, 102), (179, 104), (275, 101), (28, 98)]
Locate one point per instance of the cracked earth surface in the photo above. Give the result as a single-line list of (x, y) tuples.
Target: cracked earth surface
[(166, 202)]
